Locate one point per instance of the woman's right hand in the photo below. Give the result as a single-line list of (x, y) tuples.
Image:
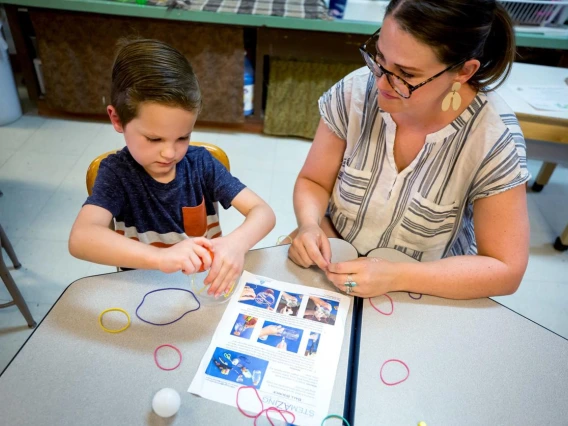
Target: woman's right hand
[(310, 247)]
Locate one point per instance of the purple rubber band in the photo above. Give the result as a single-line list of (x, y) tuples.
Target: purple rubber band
[(164, 289), (415, 298)]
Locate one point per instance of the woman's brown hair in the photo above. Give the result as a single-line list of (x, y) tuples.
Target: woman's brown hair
[(461, 30)]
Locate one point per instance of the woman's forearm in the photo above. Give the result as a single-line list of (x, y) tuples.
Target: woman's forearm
[(460, 277), (310, 201)]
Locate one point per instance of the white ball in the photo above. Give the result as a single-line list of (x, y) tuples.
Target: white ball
[(166, 402)]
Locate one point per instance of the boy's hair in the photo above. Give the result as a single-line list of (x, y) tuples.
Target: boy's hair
[(151, 71)]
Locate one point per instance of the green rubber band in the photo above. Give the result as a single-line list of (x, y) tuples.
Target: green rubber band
[(335, 416)]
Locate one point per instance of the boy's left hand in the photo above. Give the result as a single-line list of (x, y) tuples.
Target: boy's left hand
[(227, 266)]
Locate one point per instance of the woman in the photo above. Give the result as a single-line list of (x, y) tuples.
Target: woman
[(413, 153)]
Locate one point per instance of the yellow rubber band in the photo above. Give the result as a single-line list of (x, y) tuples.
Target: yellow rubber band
[(108, 330), (228, 292), (282, 238), (225, 295)]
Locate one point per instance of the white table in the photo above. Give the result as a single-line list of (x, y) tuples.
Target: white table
[(471, 362), (70, 372), (546, 132)]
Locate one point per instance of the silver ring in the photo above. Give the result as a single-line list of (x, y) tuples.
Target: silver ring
[(349, 284)]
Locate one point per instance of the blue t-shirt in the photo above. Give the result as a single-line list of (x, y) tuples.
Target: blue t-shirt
[(163, 214)]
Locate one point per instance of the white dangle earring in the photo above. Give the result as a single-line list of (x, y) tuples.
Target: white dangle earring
[(453, 97)]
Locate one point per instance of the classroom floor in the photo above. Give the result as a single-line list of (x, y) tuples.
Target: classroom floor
[(42, 175)]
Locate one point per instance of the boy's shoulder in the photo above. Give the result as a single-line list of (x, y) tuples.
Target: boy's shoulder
[(197, 153), (118, 160), (199, 157)]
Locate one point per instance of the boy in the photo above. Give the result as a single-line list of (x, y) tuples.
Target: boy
[(161, 192)]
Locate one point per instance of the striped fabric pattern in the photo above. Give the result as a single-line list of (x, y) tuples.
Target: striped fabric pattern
[(163, 214), (305, 9), (426, 210)]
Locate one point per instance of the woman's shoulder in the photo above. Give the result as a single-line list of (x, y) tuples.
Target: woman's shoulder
[(359, 76), (500, 108), (498, 119)]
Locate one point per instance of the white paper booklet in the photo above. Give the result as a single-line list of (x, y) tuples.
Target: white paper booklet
[(285, 340)]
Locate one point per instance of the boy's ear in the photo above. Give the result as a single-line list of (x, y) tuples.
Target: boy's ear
[(114, 119)]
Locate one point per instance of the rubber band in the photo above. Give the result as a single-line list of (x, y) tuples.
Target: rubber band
[(279, 411), (226, 293), (193, 284), (156, 357), (171, 322), (259, 400), (335, 416), (282, 238), (400, 381), (262, 409), (108, 330), (415, 298), (378, 310)]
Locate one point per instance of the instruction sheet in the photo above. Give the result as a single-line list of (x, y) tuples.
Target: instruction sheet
[(282, 339)]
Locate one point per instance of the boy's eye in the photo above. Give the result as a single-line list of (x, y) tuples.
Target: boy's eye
[(184, 138), (153, 139)]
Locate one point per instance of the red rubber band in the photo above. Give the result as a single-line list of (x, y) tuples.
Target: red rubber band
[(378, 310), (400, 381), (259, 399), (156, 357)]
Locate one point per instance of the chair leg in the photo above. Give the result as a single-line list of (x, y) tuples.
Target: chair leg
[(5, 243), (561, 243), (16, 295), (543, 176), (9, 281)]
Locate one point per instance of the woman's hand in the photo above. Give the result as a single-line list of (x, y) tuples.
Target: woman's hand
[(310, 247), (373, 276)]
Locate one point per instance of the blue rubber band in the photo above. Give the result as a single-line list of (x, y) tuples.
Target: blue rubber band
[(335, 416), (171, 322)]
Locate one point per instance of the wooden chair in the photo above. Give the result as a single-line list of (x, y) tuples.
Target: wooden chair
[(17, 298), (93, 169)]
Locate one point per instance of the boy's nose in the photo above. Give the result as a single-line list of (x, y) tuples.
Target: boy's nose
[(168, 152)]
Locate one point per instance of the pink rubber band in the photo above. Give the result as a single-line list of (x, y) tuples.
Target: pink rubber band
[(259, 400), (279, 411), (378, 310), (262, 409), (156, 357), (400, 381)]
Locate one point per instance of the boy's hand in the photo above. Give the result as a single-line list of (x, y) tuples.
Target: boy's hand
[(227, 265), (186, 256)]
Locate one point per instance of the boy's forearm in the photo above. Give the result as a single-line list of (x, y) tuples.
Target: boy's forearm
[(257, 224), (101, 245), (460, 277)]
